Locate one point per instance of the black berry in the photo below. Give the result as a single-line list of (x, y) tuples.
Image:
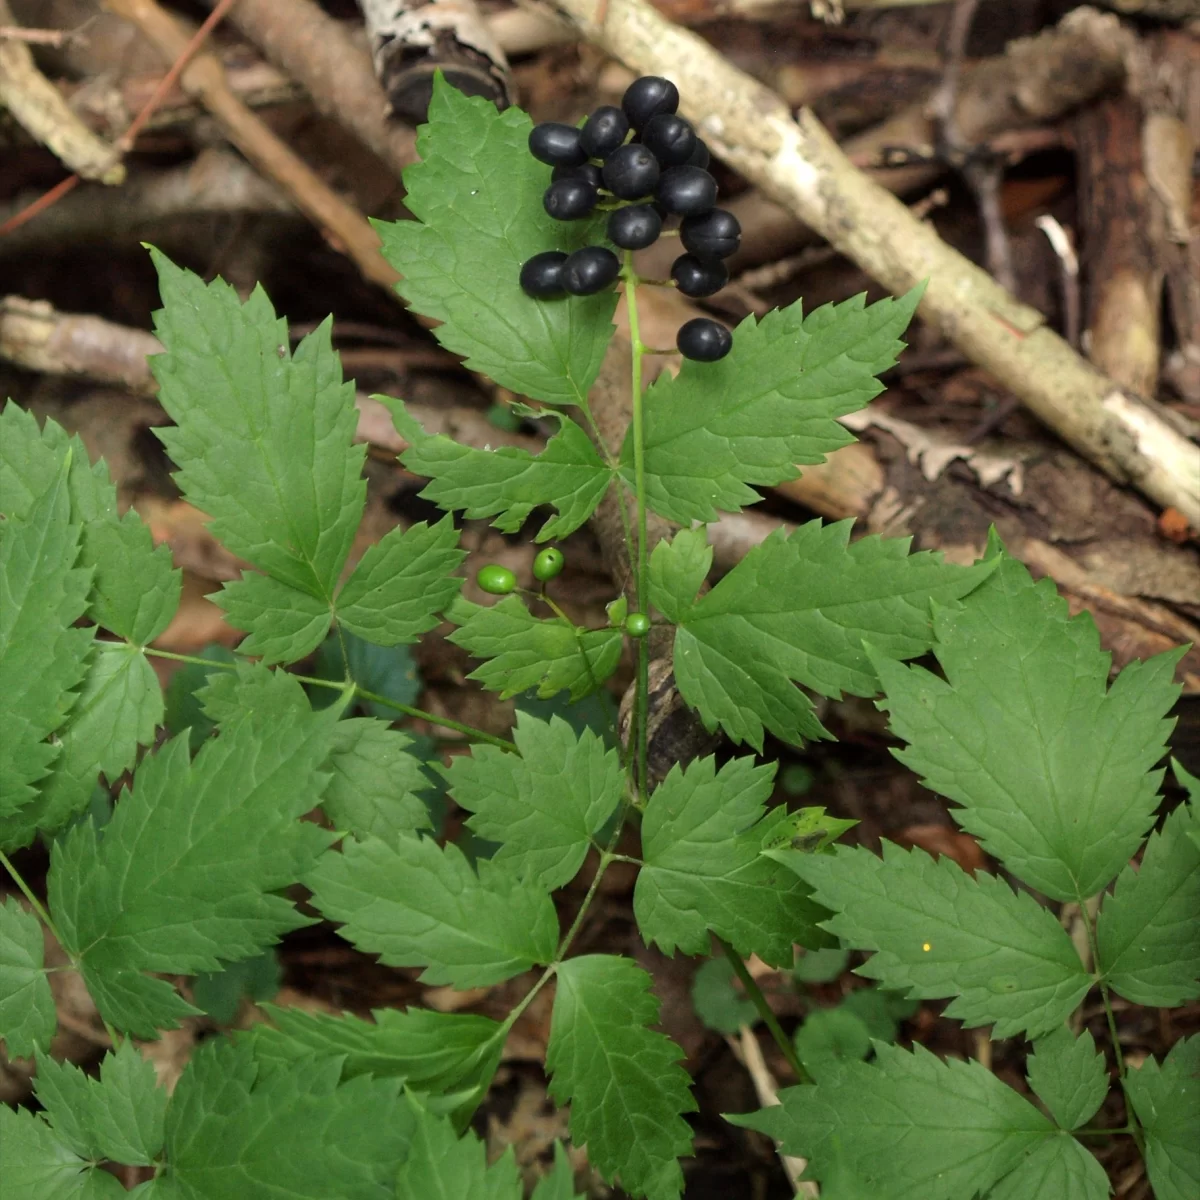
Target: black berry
[(589, 173), (715, 234), (647, 97), (687, 191), (541, 276), (700, 156), (570, 199), (703, 340), (603, 131), (697, 277), (556, 144), (670, 138), (631, 172), (589, 270), (636, 227)]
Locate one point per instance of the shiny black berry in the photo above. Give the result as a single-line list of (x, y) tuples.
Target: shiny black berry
[(631, 172), (570, 199), (589, 270), (541, 276), (703, 340), (647, 97), (715, 234), (671, 138), (698, 277), (604, 131), (687, 191), (700, 156), (636, 227), (556, 144), (589, 173)]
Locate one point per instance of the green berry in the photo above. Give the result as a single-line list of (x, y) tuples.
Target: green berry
[(637, 624), (548, 564), (496, 580)]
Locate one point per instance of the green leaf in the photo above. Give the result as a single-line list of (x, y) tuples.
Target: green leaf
[(508, 483), (1165, 1097), (440, 1164), (296, 1132), (830, 1036), (799, 608), (624, 1082), (678, 569), (385, 670), (806, 831), (939, 932), (402, 584), (1186, 780), (560, 1183), (184, 874), (183, 707), (1146, 937), (219, 993), (37, 1162), (477, 195), (251, 692), (119, 1116), (42, 658), (701, 836), (715, 428), (545, 805), (27, 1016), (880, 1011), (417, 905), (821, 966), (551, 656), (137, 586), (284, 623), (1053, 767), (430, 1051), (908, 1126), (717, 1001), (1061, 1168), (1069, 1076)]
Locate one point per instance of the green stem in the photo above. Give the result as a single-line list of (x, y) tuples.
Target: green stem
[(642, 567), (34, 902), (764, 1010)]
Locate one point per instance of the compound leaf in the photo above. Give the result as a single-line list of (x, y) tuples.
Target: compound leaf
[(37, 1162), (703, 870), (624, 1082), (1146, 933), (1052, 766), (418, 905), (182, 876), (908, 1126), (284, 623), (544, 805), (509, 482), (716, 428), (798, 608), (939, 932), (1165, 1098), (441, 1164), (477, 197), (27, 1016), (525, 653), (1061, 1168), (1068, 1075)]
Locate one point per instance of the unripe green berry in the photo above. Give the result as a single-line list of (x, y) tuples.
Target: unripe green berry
[(637, 624), (496, 580), (548, 564)]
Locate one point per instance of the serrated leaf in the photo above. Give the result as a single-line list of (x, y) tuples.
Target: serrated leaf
[(441, 1164), (716, 428), (678, 569), (284, 623), (1061, 1168), (508, 483), (1053, 767), (908, 1126), (477, 197), (402, 584), (702, 871), (42, 658), (183, 875), (37, 1162), (1165, 1098), (1068, 1075), (798, 608), (807, 831), (624, 1082), (118, 1116), (27, 1016), (1147, 944), (385, 670), (939, 932), (524, 652), (296, 1132), (430, 1051), (544, 805), (183, 707), (718, 1003), (418, 905), (1186, 780)]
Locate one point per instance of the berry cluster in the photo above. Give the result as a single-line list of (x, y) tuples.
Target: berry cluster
[(643, 165)]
